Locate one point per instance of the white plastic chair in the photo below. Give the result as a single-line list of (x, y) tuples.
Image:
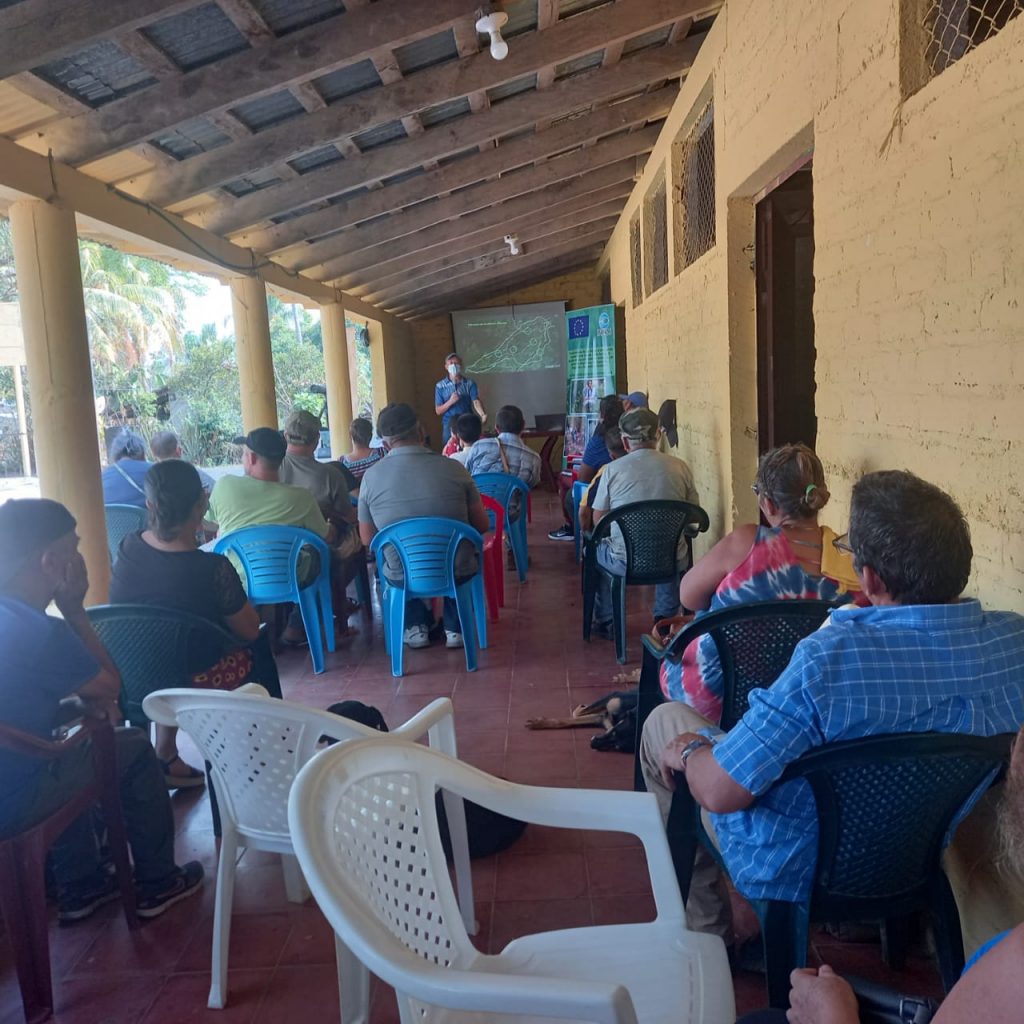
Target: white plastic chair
[(256, 746), (365, 832)]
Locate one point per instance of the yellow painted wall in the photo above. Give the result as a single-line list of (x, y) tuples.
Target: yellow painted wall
[(919, 265), (432, 338)]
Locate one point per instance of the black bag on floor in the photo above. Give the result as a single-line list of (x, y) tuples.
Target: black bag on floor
[(487, 830)]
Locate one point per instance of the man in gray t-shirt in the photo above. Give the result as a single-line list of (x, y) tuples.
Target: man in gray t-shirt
[(643, 474), (415, 481)]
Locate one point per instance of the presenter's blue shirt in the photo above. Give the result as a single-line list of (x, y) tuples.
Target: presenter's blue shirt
[(445, 388)]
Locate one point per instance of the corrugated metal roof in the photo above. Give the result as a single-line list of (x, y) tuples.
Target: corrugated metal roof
[(252, 182), (96, 74), (656, 37), (315, 158), (447, 111), (571, 7), (347, 81), (284, 16), (426, 52), (522, 17), (513, 88), (379, 135), (196, 37), (579, 64), (267, 110), (191, 138), (404, 176)]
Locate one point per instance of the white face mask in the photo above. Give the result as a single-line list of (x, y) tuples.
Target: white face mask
[(454, 370)]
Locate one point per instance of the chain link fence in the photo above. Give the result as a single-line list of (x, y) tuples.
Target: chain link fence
[(694, 177), (952, 28)]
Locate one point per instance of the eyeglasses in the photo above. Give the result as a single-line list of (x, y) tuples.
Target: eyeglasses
[(842, 544)]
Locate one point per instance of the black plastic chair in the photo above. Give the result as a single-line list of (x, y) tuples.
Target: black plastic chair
[(651, 532), (122, 520), (885, 805), (754, 641)]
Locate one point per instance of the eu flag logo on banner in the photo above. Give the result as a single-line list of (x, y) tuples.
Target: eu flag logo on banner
[(579, 326)]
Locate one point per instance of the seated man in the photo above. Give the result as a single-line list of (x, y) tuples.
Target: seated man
[(260, 499), (917, 659), (508, 452), (642, 474), (415, 481), (331, 485), (165, 445), (467, 431), (616, 449), (123, 478), (46, 659)]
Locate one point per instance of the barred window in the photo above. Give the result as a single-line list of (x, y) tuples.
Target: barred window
[(655, 235), (947, 30), (694, 186), (634, 259)]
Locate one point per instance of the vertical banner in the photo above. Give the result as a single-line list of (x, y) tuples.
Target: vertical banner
[(591, 374)]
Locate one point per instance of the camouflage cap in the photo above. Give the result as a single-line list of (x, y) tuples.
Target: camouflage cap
[(639, 425)]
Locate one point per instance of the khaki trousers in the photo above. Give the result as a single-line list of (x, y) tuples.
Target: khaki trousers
[(707, 908)]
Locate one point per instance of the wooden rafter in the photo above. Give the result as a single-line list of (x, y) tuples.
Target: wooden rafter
[(402, 97)]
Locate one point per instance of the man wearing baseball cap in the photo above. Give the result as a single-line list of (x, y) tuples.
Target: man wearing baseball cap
[(634, 400), (330, 483), (46, 659), (642, 474), (260, 499), (415, 481)]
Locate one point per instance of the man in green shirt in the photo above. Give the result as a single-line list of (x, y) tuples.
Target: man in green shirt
[(260, 499)]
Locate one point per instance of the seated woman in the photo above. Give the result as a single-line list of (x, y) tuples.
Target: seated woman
[(362, 456), (792, 557), (163, 566)]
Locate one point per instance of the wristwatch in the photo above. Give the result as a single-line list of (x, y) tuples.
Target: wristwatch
[(700, 741)]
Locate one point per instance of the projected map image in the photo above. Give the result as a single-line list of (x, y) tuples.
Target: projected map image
[(532, 343)]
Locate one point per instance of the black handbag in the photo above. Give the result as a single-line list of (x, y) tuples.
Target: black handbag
[(880, 1005)]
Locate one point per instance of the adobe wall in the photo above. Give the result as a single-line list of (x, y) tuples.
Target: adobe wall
[(919, 265)]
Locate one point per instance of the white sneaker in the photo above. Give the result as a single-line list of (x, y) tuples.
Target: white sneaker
[(417, 636), (452, 639)]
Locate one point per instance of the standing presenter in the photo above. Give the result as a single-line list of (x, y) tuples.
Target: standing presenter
[(455, 395)]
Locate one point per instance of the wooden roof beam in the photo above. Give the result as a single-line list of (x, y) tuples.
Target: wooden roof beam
[(615, 161), (462, 232), (490, 253), (296, 57), (491, 280), (563, 98), (480, 240), (472, 75), (36, 32), (287, 238)]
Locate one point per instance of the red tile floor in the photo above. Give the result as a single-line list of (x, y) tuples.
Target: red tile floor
[(282, 955)]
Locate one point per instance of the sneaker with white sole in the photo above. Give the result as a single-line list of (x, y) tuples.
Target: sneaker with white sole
[(564, 532), (82, 900), (186, 881), (417, 636), (452, 639)]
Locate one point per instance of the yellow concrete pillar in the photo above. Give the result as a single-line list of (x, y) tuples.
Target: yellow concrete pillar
[(338, 377), (252, 348), (60, 375)]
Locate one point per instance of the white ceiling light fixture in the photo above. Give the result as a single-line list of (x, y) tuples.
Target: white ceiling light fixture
[(490, 24), (512, 241)]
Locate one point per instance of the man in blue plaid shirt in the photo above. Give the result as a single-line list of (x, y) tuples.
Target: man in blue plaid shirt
[(918, 659)]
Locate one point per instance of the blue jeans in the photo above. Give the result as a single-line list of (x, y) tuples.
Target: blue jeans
[(418, 614), (666, 595)]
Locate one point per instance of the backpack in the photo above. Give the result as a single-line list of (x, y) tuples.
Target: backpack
[(487, 830)]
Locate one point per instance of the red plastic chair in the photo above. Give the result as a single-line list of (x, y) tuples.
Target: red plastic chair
[(494, 568), (23, 858)]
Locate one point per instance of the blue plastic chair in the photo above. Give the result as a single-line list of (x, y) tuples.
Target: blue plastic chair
[(426, 548), (269, 556), (579, 488), (122, 520), (501, 487)]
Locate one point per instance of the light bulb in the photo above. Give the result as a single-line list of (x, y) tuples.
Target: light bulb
[(499, 48)]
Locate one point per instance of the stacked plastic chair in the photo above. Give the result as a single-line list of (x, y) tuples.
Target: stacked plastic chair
[(504, 487), (494, 553)]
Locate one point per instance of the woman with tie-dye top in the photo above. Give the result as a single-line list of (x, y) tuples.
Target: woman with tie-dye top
[(793, 557)]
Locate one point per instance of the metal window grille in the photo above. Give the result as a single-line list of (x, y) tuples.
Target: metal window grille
[(655, 236), (634, 259), (695, 189), (952, 28)]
